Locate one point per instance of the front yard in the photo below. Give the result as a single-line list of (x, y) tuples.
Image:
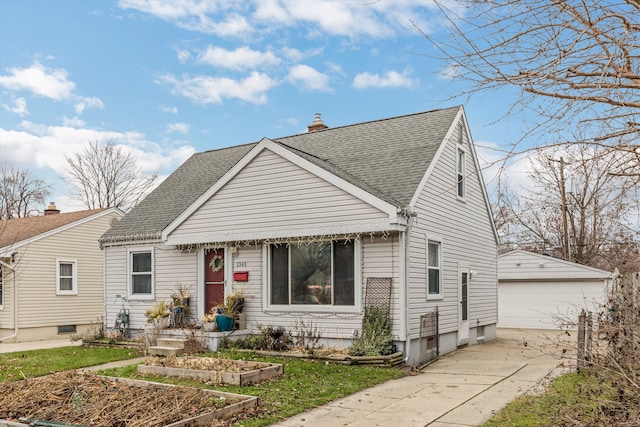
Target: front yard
[(304, 385)]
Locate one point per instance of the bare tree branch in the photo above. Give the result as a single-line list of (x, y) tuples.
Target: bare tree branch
[(20, 193), (104, 175)]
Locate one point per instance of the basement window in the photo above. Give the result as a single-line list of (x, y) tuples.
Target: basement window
[(66, 329)]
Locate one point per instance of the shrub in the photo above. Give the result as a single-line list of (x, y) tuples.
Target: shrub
[(376, 338), (270, 338)]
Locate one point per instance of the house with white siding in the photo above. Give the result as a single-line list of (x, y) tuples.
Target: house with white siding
[(537, 291), (51, 273), (316, 226)]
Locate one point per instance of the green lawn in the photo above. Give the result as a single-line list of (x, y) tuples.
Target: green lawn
[(571, 400), (34, 363)]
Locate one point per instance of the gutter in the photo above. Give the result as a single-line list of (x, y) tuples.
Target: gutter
[(15, 302), (407, 332)]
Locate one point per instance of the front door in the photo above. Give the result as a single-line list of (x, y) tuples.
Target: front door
[(463, 306), (213, 278)]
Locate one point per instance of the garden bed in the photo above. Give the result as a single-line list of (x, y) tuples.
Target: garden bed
[(212, 370), (394, 359), (91, 400)]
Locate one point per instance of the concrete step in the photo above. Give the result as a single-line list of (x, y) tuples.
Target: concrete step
[(171, 342), (158, 350)]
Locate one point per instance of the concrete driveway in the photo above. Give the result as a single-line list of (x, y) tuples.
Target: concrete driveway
[(463, 388)]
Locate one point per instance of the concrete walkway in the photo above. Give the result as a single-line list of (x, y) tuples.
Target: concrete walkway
[(463, 388)]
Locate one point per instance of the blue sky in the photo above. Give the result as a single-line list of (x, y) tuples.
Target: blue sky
[(168, 78)]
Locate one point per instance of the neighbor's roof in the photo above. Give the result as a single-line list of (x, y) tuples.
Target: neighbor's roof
[(17, 230), (387, 158)]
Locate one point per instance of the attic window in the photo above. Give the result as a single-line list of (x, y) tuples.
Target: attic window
[(461, 163), (313, 274)]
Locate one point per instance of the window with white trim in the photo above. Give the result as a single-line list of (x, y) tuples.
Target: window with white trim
[(316, 273), (141, 273), (460, 183), (66, 277), (434, 276)]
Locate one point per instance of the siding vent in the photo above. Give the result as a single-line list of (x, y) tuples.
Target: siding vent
[(66, 329)]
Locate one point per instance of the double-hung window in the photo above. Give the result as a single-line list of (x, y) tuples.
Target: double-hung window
[(434, 276), (316, 273), (66, 277), (141, 273)]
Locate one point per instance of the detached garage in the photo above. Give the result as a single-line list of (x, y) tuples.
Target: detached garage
[(535, 290)]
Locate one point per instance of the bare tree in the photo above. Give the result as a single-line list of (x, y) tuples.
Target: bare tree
[(575, 208), (20, 193), (575, 64), (105, 175)]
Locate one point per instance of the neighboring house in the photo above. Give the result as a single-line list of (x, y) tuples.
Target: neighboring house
[(51, 273), (542, 292), (306, 225)]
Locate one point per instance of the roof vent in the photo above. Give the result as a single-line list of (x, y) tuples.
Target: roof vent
[(317, 124), (52, 210)]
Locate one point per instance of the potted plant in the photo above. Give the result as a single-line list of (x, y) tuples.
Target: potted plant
[(234, 303), (209, 320), (181, 296), (158, 314)]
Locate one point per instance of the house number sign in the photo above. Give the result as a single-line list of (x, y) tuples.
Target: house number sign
[(241, 264)]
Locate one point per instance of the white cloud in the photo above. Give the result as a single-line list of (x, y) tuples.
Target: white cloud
[(213, 90), (183, 56), (449, 73), (227, 18), (40, 80), (390, 79), (241, 58), (296, 55), (19, 107), (42, 149), (308, 78), (178, 127), (172, 110), (75, 122), (85, 103)]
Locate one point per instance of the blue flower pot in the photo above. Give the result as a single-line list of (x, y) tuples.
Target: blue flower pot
[(225, 323)]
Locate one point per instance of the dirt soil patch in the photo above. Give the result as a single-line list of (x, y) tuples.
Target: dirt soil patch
[(211, 370), (91, 400)]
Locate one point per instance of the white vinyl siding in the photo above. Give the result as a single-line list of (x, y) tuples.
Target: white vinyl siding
[(290, 202), (171, 266), (37, 277), (466, 234), (66, 277), (1, 287)]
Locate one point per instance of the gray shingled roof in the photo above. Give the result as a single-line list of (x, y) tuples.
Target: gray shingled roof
[(386, 158)]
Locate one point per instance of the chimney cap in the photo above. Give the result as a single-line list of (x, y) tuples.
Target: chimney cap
[(51, 209), (317, 124)]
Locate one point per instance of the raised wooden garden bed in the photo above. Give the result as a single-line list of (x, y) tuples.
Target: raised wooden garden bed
[(395, 359), (90, 400), (212, 370)]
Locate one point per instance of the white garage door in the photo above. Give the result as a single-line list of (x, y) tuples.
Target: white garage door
[(538, 305)]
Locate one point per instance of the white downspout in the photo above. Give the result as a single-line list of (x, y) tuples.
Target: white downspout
[(407, 282), (15, 301)]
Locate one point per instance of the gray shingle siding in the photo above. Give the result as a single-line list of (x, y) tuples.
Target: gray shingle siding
[(386, 158)]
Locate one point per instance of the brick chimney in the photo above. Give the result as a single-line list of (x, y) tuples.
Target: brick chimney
[(317, 124), (52, 210)]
